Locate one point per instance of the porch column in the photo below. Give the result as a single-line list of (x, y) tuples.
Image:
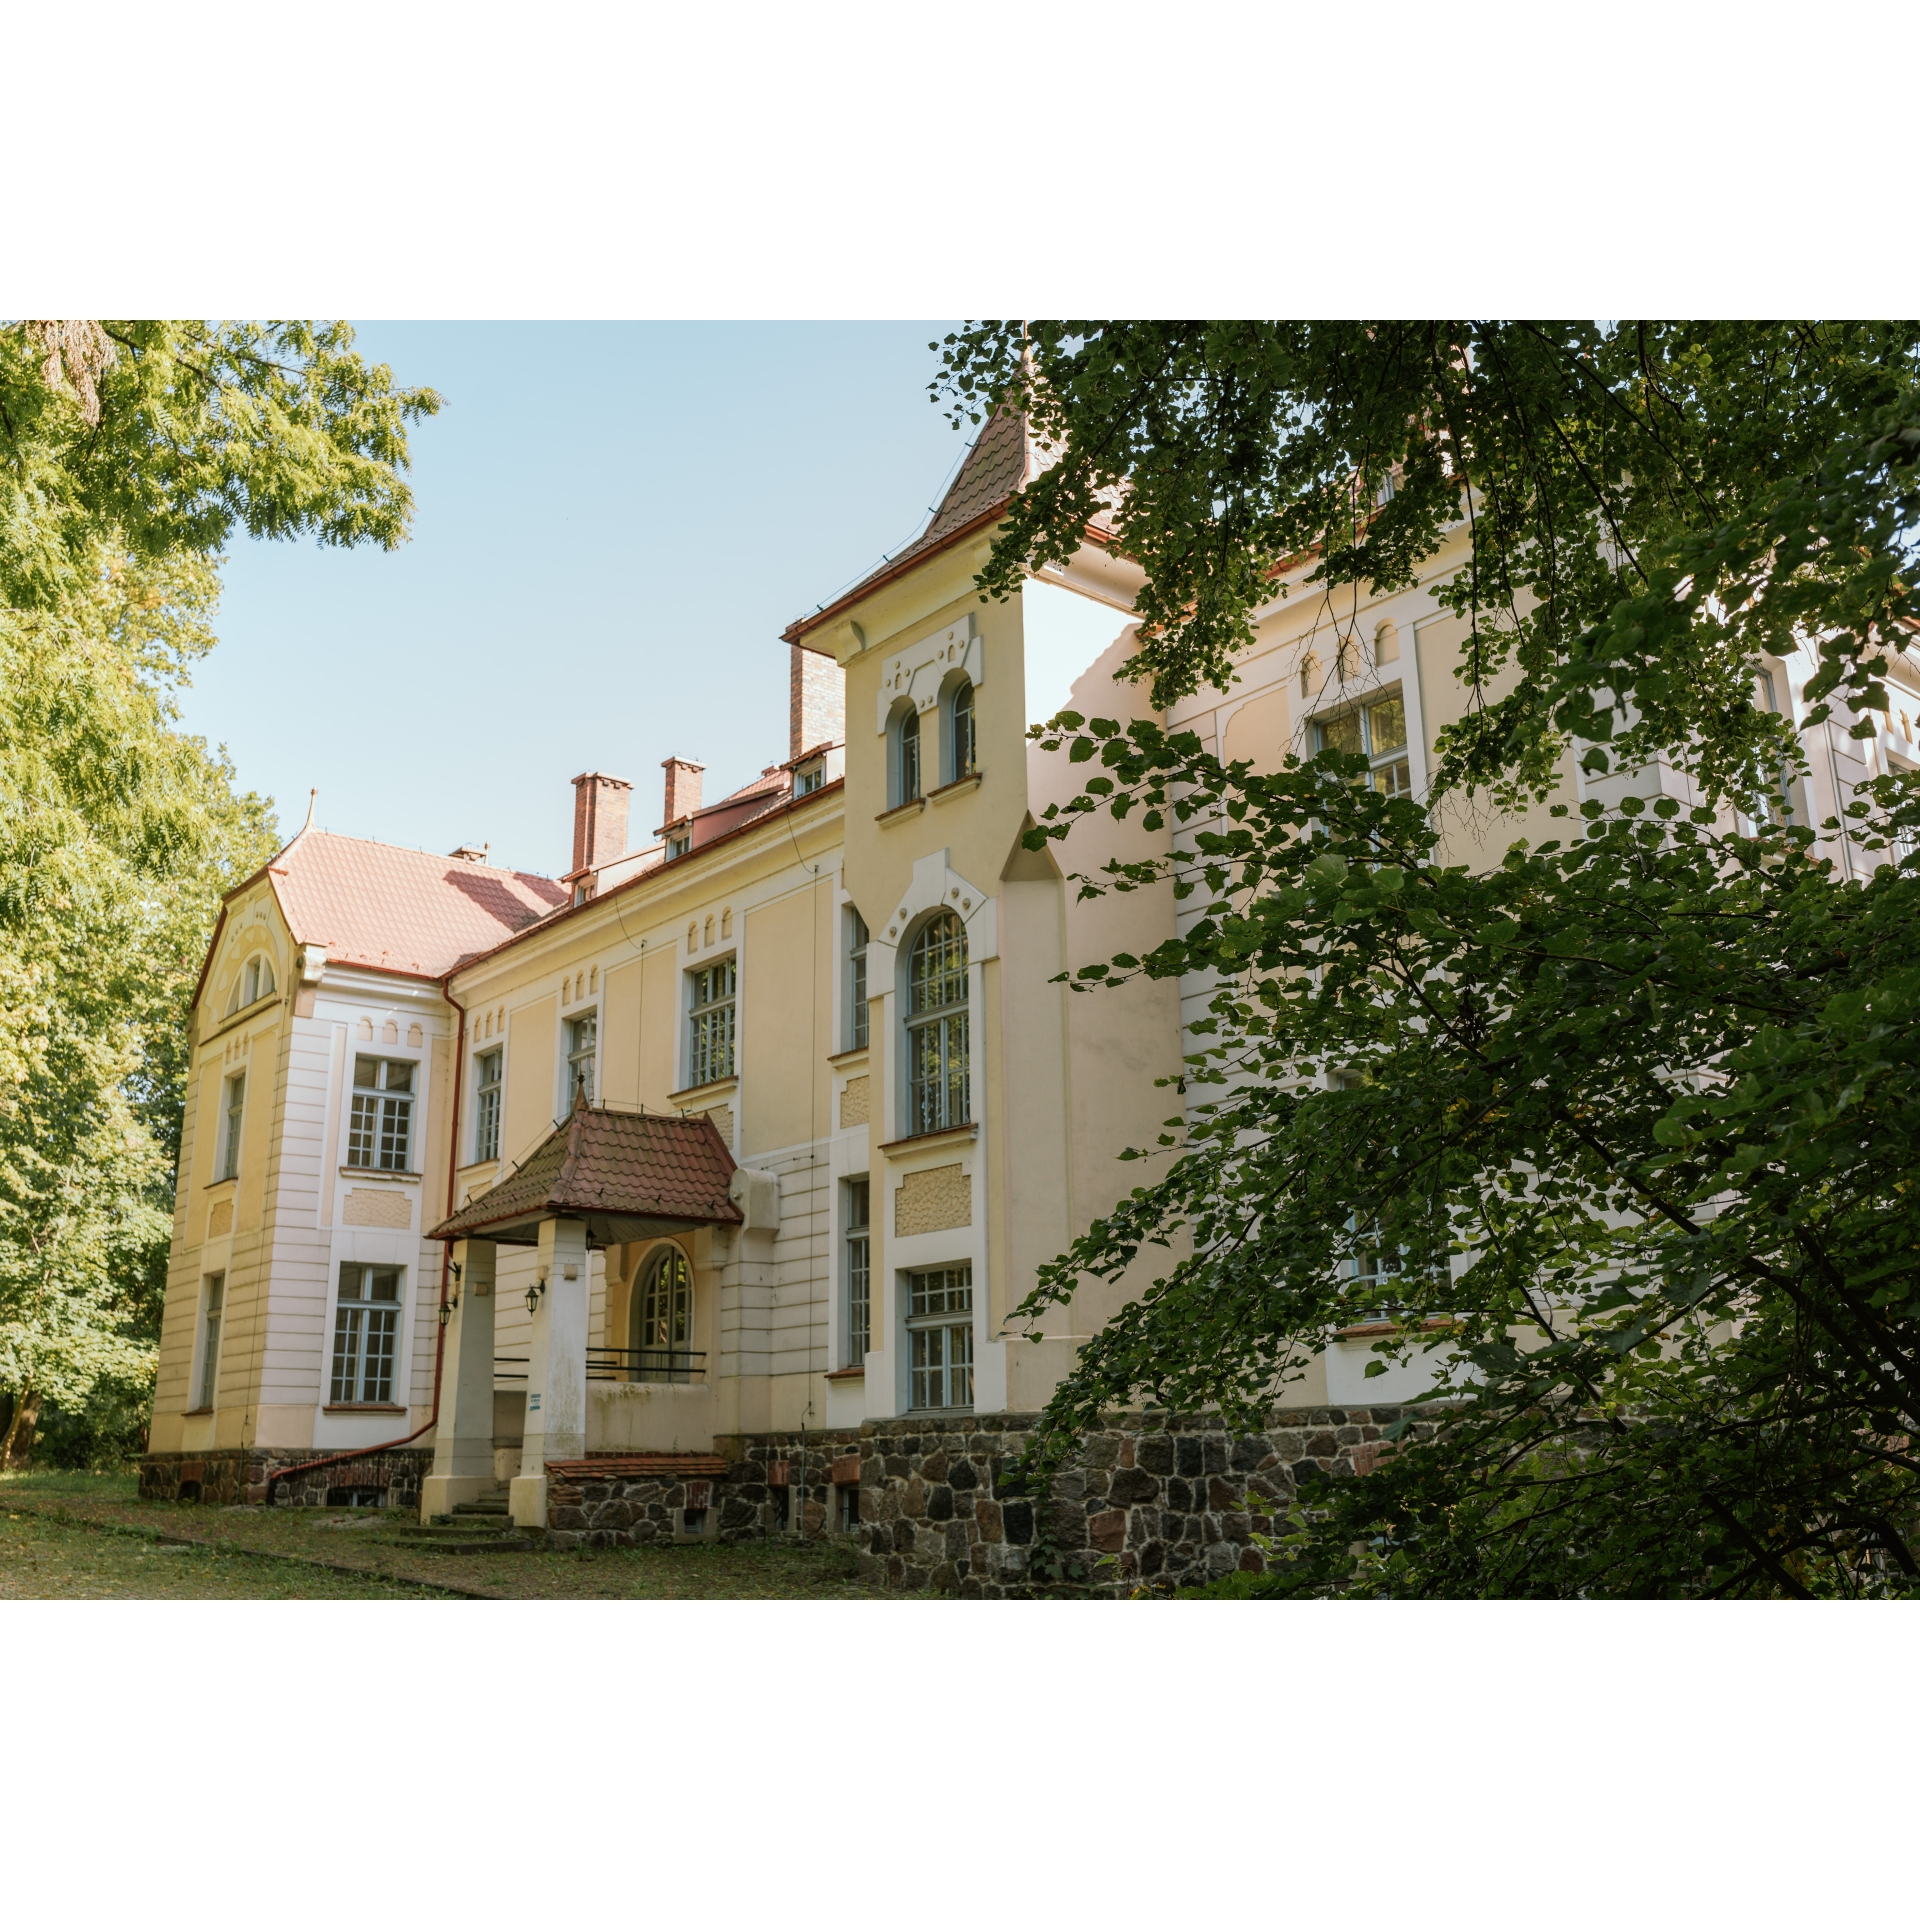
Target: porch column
[(556, 1369), (463, 1441)]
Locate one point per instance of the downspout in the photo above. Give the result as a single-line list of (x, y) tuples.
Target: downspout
[(446, 1262)]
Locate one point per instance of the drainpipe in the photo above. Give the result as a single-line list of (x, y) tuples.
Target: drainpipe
[(446, 1261)]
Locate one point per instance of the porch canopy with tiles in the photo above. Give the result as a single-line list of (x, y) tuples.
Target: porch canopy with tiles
[(598, 1180)]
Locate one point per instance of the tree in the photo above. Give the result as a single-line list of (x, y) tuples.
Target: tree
[(1621, 1137), (131, 452)]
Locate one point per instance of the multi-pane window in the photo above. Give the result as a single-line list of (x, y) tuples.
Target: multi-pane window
[(940, 1336), (859, 1274), (909, 758), (216, 1289), (582, 1037), (710, 1039), (963, 737), (236, 1113), (380, 1129), (486, 1111), (937, 1027), (366, 1335), (255, 983), (810, 778), (856, 980), (664, 1313), (1380, 732)]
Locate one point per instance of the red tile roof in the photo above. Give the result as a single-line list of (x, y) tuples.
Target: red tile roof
[(372, 905), (622, 1166)]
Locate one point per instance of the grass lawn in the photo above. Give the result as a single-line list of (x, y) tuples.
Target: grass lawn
[(47, 1551)]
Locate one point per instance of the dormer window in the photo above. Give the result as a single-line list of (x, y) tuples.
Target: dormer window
[(679, 843), (810, 778), (255, 983)]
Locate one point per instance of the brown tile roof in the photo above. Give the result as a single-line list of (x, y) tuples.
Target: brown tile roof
[(992, 473), (373, 905), (617, 1167)]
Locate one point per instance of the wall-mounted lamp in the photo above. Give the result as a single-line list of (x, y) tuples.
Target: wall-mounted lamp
[(534, 1293), (446, 1311)]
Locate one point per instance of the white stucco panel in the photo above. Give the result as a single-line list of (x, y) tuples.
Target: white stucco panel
[(915, 672), (936, 884)]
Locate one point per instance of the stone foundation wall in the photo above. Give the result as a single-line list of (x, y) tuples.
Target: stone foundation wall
[(224, 1475), (1154, 1499)]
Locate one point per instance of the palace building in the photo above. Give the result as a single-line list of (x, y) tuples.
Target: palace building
[(688, 1196)]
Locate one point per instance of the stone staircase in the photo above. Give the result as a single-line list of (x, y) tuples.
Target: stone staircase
[(475, 1526)]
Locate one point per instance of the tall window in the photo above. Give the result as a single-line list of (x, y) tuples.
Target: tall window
[(963, 738), (940, 1336), (909, 759), (856, 979), (859, 1270), (710, 1050), (255, 982), (937, 1026), (380, 1133), (486, 1131), (663, 1316), (1378, 731), (216, 1293), (582, 1036), (236, 1113), (366, 1335)]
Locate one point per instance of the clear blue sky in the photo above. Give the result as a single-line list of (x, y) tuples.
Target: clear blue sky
[(613, 524)]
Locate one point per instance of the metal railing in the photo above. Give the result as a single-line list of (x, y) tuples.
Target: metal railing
[(512, 1360), (642, 1364)]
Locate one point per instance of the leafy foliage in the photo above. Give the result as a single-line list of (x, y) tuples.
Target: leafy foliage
[(1615, 1141), (129, 453), (1651, 505)]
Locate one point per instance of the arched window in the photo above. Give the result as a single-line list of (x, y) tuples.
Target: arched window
[(255, 982), (962, 743), (938, 1091), (663, 1320), (1309, 675), (908, 760)]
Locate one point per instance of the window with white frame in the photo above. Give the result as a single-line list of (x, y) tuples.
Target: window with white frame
[(809, 778), (486, 1105), (856, 979), (679, 843), (213, 1300), (937, 1070), (711, 1024), (961, 738), (859, 1273), (663, 1319), (940, 1336), (380, 1127), (235, 1119), (1380, 732), (583, 1036), (366, 1336), (907, 759)]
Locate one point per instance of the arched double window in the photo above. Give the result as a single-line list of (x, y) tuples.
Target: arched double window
[(938, 1093), (255, 983), (663, 1319)]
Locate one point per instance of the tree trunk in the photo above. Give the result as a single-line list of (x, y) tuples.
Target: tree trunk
[(19, 1441)]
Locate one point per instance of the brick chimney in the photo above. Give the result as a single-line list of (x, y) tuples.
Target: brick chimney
[(683, 789), (599, 821), (817, 703)]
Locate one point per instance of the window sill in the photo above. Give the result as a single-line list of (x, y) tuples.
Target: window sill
[(474, 1166), (1380, 1329), (954, 789), (380, 1173), (199, 1413), (848, 1373), (907, 810), (849, 1057), (362, 1406), (229, 1180), (946, 1137), (707, 1087), (267, 1003)]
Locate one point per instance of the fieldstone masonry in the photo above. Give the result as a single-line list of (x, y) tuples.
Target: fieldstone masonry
[(225, 1476), (1157, 1500), (935, 1198)]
